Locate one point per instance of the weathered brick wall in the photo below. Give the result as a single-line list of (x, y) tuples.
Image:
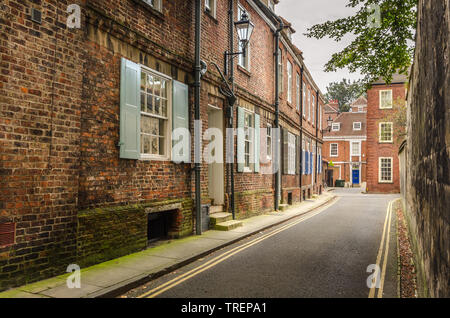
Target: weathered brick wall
[(40, 97), (107, 233), (375, 149), (428, 176)]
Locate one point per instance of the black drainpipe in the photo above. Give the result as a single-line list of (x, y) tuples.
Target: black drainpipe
[(277, 115), (197, 70), (230, 112), (301, 133)]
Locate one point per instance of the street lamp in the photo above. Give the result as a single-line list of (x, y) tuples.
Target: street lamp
[(244, 28), (329, 122)]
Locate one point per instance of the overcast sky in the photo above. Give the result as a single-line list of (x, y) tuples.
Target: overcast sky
[(304, 14)]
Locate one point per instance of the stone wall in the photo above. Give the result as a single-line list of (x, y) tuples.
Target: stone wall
[(428, 197)]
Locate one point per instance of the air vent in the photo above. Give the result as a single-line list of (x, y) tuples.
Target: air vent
[(36, 15), (7, 234)]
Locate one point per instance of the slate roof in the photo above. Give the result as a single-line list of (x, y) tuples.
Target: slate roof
[(346, 120)]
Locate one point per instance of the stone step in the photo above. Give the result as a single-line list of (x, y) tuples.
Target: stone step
[(215, 209), (219, 217), (283, 207), (228, 225)]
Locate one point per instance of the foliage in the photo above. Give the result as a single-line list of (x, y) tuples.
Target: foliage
[(345, 92), (398, 116), (381, 48)]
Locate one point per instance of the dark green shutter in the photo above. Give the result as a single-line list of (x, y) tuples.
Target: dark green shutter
[(130, 112), (180, 116), (257, 142)]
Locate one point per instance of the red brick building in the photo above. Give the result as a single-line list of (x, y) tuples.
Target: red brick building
[(345, 145), (382, 147), (331, 111), (87, 117)]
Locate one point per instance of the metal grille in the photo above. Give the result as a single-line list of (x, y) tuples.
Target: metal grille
[(7, 234)]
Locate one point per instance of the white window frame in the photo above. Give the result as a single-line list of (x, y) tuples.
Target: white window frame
[(380, 160), (269, 141), (331, 150), (309, 105), (210, 7), (289, 86), (382, 106), (320, 118), (313, 106), (251, 141), (357, 125), (380, 135), (291, 154), (157, 4), (333, 125), (168, 128), (298, 91), (352, 148), (360, 109), (304, 100)]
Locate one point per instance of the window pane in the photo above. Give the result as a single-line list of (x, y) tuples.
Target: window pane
[(149, 104), (149, 84), (143, 101), (164, 89), (145, 144), (157, 106), (157, 86)]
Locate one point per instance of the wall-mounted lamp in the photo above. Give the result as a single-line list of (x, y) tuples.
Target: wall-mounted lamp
[(244, 28)]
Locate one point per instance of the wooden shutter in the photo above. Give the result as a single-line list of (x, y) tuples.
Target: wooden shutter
[(180, 117), (257, 142), (130, 112), (240, 139)]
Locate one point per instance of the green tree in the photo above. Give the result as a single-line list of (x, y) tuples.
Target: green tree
[(345, 92), (383, 44)]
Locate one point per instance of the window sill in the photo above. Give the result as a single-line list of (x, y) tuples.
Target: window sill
[(385, 142), (211, 16), (153, 158), (386, 182), (149, 8), (385, 108), (244, 70)]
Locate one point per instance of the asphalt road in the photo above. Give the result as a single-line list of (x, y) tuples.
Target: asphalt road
[(325, 254)]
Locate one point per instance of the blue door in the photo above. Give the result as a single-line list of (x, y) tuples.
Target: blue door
[(355, 177)]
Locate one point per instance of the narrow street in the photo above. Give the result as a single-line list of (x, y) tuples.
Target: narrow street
[(325, 253)]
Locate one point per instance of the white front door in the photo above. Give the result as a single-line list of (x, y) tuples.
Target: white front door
[(216, 169)]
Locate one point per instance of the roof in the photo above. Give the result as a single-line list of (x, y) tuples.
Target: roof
[(346, 120), (361, 101), (396, 78), (287, 24)]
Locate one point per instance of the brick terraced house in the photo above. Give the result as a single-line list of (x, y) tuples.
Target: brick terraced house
[(345, 145), (88, 116), (383, 101)]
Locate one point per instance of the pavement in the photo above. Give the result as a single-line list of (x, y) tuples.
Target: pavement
[(115, 277), (328, 253)]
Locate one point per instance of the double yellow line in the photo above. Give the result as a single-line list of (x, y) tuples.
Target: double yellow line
[(385, 238), (219, 259)]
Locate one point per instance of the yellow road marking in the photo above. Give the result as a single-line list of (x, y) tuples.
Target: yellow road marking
[(386, 253), (213, 262), (380, 250)]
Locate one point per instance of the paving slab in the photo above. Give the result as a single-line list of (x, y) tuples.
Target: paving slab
[(64, 292)]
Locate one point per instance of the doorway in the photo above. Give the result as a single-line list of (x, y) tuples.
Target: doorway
[(216, 169)]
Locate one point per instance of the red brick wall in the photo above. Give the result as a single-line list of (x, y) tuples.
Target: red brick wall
[(375, 150), (40, 88)]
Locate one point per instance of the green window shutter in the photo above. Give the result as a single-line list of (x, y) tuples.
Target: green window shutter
[(257, 142), (240, 139), (180, 118), (130, 110)]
